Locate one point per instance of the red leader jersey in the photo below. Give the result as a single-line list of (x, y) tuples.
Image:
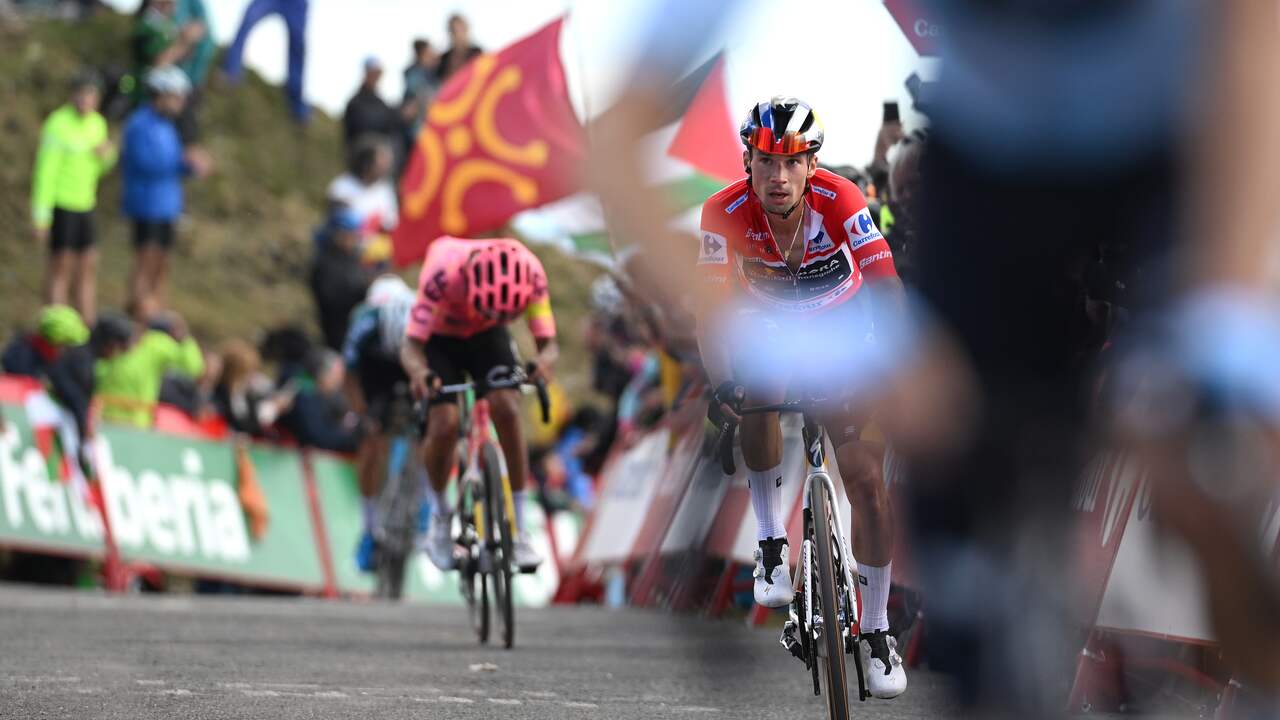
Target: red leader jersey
[(842, 246)]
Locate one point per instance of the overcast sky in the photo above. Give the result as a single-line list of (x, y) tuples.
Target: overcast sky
[(845, 57)]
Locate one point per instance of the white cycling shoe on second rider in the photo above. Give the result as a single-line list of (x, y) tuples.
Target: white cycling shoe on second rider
[(524, 556), (773, 587), (439, 544), (886, 678)]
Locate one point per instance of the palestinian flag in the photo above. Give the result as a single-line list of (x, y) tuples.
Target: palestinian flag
[(697, 143)]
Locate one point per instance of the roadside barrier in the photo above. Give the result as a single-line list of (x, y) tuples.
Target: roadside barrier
[(681, 533), (190, 499)]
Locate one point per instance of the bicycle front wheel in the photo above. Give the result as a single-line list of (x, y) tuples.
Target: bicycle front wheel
[(471, 577), (831, 645), (500, 542)]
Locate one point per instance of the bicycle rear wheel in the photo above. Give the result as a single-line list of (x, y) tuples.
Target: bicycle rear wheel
[(500, 543), (830, 646)]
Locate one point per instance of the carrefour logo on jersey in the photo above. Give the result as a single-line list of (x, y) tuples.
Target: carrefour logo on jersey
[(861, 229), (714, 249)]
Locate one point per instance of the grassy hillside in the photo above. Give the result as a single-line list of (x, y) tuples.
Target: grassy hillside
[(241, 261)]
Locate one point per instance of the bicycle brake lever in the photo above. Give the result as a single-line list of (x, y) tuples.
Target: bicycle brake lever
[(724, 447)]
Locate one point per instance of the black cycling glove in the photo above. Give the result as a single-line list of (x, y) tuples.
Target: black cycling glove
[(728, 393)]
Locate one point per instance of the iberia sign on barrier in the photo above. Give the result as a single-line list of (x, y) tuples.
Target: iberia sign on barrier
[(171, 501)]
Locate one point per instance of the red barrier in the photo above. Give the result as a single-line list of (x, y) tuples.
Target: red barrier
[(317, 526)]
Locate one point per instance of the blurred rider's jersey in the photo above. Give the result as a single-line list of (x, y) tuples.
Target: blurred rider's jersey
[(441, 307), (841, 247), (1098, 83)]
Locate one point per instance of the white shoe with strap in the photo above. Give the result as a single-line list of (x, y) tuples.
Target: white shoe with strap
[(773, 580), (886, 677)]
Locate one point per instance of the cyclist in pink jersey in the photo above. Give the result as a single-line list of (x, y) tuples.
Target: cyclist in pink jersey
[(468, 291)]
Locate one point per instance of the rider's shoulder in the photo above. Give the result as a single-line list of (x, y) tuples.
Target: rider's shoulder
[(729, 199), (827, 186)]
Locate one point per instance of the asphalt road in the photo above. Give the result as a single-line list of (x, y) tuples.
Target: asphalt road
[(69, 654)]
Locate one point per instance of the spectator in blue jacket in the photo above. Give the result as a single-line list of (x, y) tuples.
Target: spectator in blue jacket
[(155, 164)]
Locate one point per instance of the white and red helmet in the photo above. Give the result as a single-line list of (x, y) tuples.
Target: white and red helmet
[(782, 126)]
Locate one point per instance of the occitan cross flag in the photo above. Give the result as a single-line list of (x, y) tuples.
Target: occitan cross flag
[(501, 137)]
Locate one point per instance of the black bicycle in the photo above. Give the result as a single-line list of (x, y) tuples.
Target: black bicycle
[(822, 626), (400, 499)]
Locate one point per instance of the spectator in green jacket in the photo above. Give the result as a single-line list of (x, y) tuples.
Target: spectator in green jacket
[(129, 373), (74, 152), (195, 65), (160, 37)]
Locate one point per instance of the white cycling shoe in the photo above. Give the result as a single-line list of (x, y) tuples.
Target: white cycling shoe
[(524, 556), (439, 542), (886, 677), (773, 578)]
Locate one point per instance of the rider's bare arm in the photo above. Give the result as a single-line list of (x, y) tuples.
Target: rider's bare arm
[(413, 357)]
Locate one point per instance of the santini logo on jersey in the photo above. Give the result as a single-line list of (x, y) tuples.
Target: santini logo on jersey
[(882, 255), (735, 204), (861, 229), (828, 194), (714, 250)]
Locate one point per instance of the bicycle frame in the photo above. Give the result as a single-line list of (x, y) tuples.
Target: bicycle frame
[(475, 432), (816, 455)]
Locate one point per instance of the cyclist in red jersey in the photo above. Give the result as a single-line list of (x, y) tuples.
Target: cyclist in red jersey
[(793, 246)]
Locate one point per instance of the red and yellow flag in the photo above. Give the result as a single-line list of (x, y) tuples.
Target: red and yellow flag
[(500, 137)]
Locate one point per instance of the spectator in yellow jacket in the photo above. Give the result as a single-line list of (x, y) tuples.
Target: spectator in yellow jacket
[(131, 368), (74, 152)]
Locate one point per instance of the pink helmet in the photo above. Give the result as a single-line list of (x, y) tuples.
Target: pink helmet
[(503, 277)]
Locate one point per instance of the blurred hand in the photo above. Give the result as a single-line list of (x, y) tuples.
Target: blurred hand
[(192, 32), (200, 161), (542, 368), (105, 149), (725, 403), (424, 385), (174, 323), (42, 235)]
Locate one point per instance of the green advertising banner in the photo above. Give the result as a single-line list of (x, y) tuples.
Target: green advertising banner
[(172, 501), (340, 505), (37, 510)]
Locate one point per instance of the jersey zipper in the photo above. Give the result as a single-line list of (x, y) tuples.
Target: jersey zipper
[(804, 251)]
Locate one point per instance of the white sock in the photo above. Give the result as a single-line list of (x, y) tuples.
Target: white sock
[(875, 596), (517, 499), (368, 508), (438, 506), (766, 501)]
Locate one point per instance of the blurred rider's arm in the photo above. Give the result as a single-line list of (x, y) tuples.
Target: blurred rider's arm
[(542, 325), (362, 330), (413, 351)]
